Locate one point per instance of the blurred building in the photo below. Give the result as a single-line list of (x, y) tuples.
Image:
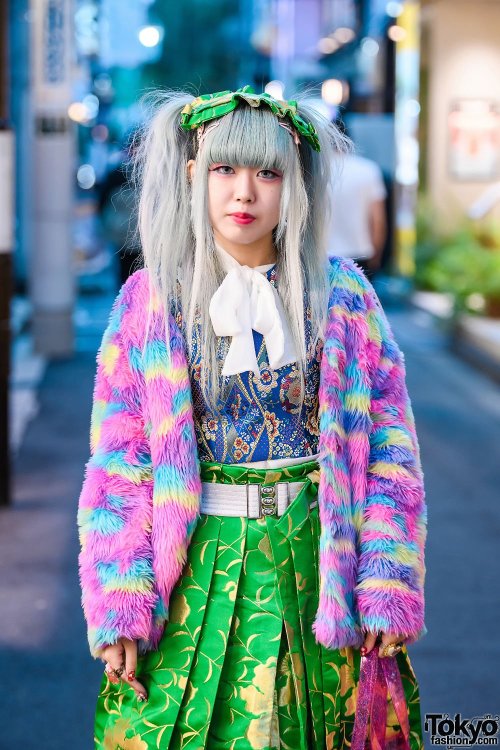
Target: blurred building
[(22, 115), (461, 106), (341, 51)]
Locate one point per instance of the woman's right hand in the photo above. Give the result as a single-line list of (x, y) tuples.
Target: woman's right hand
[(121, 663)]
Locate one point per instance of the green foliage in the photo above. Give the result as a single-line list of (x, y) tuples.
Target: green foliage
[(464, 263), (428, 243)]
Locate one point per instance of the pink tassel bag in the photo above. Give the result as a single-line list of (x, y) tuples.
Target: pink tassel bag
[(377, 677)]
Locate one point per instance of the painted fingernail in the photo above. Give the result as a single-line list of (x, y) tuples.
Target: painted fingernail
[(131, 675), (141, 697), (363, 650)]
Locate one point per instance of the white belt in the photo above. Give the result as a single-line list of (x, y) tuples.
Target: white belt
[(248, 500)]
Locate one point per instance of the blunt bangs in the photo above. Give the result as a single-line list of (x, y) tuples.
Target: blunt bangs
[(249, 137)]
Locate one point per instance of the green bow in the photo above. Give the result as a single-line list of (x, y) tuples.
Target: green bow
[(211, 106)]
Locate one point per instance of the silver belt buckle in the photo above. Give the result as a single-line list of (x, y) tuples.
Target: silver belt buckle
[(268, 501), (267, 497)]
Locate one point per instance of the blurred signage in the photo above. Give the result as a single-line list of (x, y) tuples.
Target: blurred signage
[(54, 42), (52, 54), (474, 140)]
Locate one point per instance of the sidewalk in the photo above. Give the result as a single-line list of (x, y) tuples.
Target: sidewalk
[(474, 338)]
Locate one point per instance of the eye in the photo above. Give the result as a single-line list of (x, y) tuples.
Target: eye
[(222, 169), (269, 174)]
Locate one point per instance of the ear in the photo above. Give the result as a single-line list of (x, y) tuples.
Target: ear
[(191, 167)]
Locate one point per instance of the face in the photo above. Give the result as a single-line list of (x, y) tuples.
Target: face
[(244, 205)]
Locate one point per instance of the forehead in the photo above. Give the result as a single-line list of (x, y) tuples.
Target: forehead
[(249, 138)]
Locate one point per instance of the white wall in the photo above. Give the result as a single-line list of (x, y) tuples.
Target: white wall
[(464, 62)]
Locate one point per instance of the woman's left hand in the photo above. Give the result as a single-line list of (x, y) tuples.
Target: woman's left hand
[(387, 638)]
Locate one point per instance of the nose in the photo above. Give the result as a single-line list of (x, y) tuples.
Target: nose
[(244, 190)]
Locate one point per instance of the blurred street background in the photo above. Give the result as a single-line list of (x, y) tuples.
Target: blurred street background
[(416, 86)]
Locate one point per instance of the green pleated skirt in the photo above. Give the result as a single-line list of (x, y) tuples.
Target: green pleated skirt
[(238, 666)]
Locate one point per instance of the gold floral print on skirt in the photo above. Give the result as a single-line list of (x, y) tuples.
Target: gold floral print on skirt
[(238, 667)]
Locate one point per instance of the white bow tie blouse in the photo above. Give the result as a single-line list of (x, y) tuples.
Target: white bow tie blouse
[(247, 301)]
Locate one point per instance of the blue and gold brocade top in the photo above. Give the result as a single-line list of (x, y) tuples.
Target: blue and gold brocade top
[(260, 418)]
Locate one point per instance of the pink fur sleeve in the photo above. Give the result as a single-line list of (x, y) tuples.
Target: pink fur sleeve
[(115, 505), (390, 585)]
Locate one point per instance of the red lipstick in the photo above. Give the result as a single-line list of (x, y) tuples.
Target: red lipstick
[(242, 218)]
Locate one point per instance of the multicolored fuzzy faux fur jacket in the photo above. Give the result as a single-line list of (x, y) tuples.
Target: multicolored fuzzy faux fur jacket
[(141, 494)]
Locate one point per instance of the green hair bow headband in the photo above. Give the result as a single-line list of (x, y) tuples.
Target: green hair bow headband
[(212, 106)]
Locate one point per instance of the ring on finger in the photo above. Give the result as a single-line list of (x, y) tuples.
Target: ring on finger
[(115, 672), (391, 649)]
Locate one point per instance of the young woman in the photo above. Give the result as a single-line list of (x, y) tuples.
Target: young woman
[(252, 518)]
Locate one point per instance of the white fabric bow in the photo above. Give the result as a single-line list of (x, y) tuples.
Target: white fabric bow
[(244, 301)]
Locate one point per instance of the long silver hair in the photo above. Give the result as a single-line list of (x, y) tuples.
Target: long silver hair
[(176, 235)]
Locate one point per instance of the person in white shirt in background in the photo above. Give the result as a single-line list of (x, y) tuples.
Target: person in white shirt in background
[(359, 225)]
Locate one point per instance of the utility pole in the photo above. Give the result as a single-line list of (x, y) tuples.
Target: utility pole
[(52, 277), (6, 243)]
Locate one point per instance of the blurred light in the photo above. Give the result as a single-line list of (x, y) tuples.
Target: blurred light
[(91, 102), (476, 301), (77, 111), (85, 111), (394, 9), (369, 47), (332, 91), (275, 88), (100, 133), (396, 33), (412, 108), (327, 45), (407, 169), (263, 38), (103, 84), (150, 36), (344, 35), (86, 176)]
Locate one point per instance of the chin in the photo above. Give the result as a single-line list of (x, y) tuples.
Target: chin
[(240, 238)]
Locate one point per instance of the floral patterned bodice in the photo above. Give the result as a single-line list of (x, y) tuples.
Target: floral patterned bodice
[(261, 418)]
